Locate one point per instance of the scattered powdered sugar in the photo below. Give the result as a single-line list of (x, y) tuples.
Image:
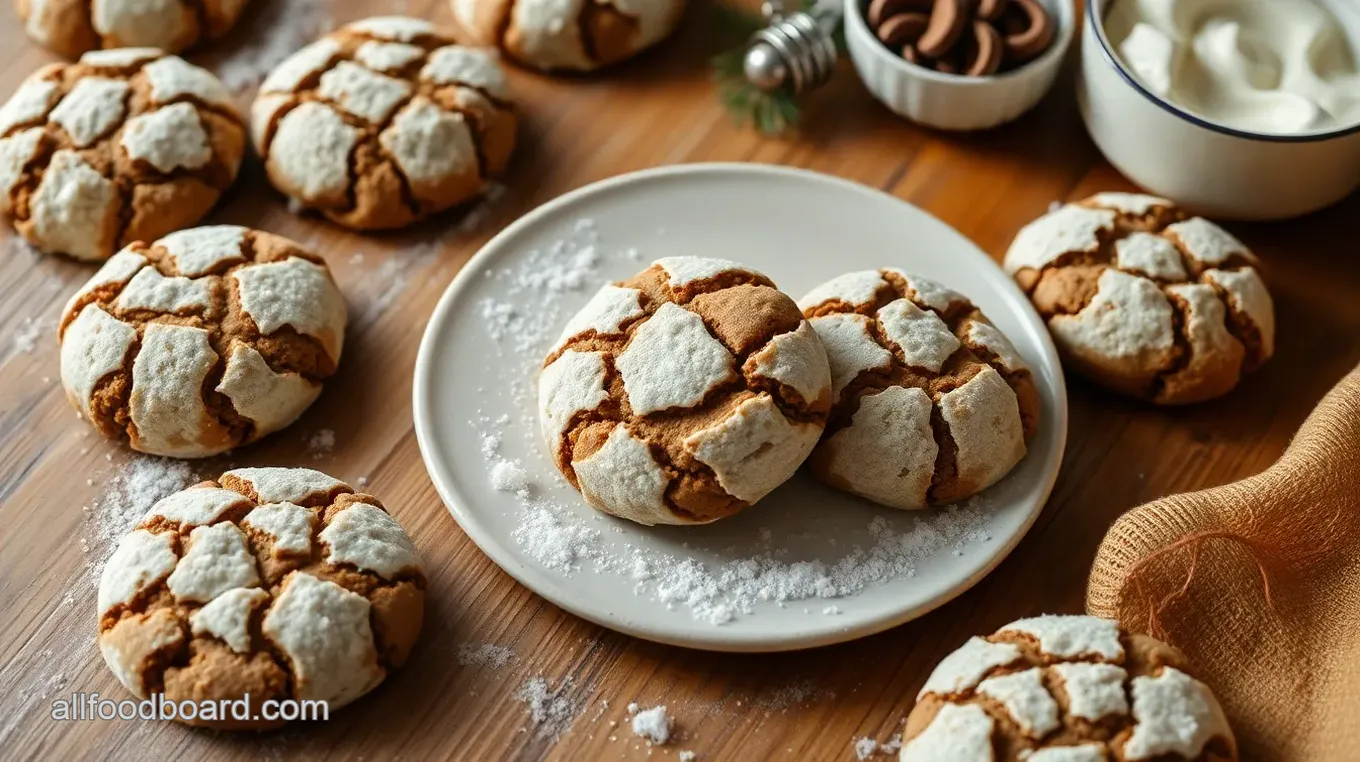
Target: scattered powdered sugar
[(688, 756), (719, 595), (569, 264), (129, 495), (26, 338), (652, 724), (491, 655), (279, 31), (867, 747), (565, 266), (479, 215), (556, 539), (321, 443), (793, 694), (509, 476), (396, 267), (551, 710), (491, 440), (555, 536)]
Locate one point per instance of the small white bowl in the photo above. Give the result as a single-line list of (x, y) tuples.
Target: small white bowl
[(951, 101), (1215, 170)]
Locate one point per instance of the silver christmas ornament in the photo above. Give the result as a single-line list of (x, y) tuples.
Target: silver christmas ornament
[(796, 51)]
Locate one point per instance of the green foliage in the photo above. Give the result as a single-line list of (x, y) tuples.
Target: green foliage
[(771, 114)]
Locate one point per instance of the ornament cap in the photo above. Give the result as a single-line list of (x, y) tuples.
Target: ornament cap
[(796, 51), (764, 67)]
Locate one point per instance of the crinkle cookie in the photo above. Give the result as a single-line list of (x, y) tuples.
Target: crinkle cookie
[(204, 340), (931, 402), (1144, 299), (123, 145), (685, 393), (1066, 689), (280, 583), (570, 35), (72, 27), (383, 122)]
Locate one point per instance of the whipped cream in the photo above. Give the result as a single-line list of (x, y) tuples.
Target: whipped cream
[(1282, 67)]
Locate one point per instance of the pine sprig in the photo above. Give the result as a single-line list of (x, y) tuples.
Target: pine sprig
[(771, 113)]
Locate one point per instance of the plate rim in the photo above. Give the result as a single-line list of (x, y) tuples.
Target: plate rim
[(721, 639)]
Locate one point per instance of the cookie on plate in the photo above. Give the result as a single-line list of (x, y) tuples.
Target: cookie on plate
[(277, 583), (930, 402), (685, 393), (383, 122), (1066, 689), (123, 145), (72, 27), (204, 340), (576, 35), (1145, 299)]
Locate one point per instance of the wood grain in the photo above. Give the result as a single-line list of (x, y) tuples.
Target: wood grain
[(657, 110)]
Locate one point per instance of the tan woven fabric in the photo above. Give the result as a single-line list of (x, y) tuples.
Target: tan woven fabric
[(1259, 583)]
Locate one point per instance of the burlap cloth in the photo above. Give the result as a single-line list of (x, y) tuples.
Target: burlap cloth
[(1259, 583)]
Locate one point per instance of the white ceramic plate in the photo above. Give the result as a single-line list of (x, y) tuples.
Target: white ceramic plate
[(481, 351)]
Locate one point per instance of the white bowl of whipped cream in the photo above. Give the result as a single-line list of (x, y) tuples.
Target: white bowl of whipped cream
[(1242, 109)]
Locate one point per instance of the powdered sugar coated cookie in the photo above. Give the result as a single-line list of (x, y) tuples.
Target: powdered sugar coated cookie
[(931, 403), (1144, 299), (72, 27), (221, 592), (207, 339), (123, 145), (684, 393), (384, 122), (568, 35), (1065, 689)]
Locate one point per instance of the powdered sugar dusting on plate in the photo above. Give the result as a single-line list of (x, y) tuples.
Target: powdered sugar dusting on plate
[(734, 588), (569, 265), (509, 476)]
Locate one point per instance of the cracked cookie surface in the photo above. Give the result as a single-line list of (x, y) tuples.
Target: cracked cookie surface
[(931, 402), (570, 35), (279, 583), (1062, 688), (72, 27), (207, 339), (121, 146), (685, 393), (1145, 299), (383, 122)]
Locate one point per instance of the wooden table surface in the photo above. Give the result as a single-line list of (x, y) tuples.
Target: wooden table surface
[(660, 109)]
